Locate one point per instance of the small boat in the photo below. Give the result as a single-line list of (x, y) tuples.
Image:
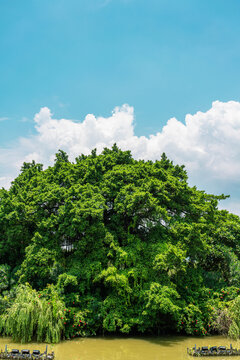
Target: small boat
[(213, 351), (16, 354)]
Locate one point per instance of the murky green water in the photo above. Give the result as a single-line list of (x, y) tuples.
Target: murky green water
[(109, 348)]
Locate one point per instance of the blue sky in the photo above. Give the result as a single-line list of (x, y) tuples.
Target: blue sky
[(165, 58)]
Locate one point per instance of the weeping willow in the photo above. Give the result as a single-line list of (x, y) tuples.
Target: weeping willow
[(234, 312), (34, 317)]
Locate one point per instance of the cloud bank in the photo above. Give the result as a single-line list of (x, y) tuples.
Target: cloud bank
[(207, 143)]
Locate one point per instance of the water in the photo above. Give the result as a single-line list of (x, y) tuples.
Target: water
[(113, 348)]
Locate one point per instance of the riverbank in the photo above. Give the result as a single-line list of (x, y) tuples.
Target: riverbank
[(129, 348)]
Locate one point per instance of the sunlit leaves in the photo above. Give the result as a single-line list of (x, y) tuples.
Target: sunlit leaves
[(128, 245)]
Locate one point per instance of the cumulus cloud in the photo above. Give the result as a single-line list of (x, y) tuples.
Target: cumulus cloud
[(4, 118), (207, 143)]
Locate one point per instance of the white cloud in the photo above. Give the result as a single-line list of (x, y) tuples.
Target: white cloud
[(5, 181), (207, 143)]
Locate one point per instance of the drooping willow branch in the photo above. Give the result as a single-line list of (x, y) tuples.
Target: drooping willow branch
[(32, 317)]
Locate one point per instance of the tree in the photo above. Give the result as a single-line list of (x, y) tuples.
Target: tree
[(127, 245)]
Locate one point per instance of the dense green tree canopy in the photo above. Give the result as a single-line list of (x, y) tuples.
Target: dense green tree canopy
[(128, 247)]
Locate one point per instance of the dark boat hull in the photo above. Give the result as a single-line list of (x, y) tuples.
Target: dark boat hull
[(227, 352), (10, 357), (22, 355)]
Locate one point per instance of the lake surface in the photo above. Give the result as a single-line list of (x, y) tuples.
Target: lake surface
[(114, 348)]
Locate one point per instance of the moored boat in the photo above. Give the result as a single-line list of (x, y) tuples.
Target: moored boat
[(16, 354), (213, 351)]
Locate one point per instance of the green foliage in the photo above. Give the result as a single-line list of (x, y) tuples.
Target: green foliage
[(222, 321), (37, 265), (7, 287), (234, 332), (234, 313), (127, 246), (4, 277), (33, 316), (67, 283)]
